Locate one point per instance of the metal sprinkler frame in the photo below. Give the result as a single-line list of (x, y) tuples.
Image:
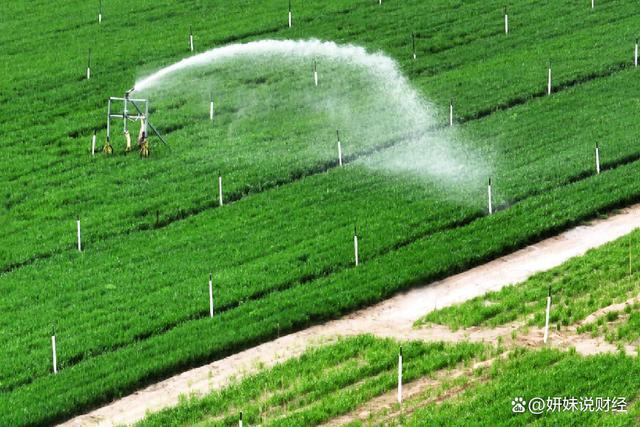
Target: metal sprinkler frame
[(126, 116)]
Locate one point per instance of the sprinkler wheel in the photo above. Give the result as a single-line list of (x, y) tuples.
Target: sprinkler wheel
[(144, 149), (107, 149)]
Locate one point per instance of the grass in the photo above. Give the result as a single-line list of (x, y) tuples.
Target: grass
[(133, 307), (581, 286), (338, 379)]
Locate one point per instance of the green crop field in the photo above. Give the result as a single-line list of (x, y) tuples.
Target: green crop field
[(323, 390), (133, 306)]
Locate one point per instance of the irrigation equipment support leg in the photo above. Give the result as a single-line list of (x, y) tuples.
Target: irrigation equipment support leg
[(339, 153), (54, 353), (451, 114), (109, 121), (549, 82), (490, 196), (506, 24), (597, 159), (93, 144), (635, 55), (355, 249), (546, 322), (211, 111), (290, 22)]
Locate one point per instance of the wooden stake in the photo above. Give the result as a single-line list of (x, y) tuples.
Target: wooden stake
[(211, 295), (546, 322), (79, 237), (597, 159), (220, 190), (400, 376)]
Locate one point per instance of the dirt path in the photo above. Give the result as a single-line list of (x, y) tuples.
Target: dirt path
[(393, 318)]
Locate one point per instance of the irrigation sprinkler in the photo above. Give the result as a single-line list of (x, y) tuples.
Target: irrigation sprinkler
[(490, 196), (79, 236), (339, 148), (100, 13), (400, 376), (546, 321), (191, 38), (506, 21), (413, 42), (211, 108), (141, 114), (290, 20), (355, 245), (549, 80), (315, 72), (211, 295), (597, 159), (240, 421), (89, 66), (451, 113), (93, 144), (220, 190), (635, 54), (54, 351)]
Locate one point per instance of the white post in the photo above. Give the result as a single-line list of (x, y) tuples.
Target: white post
[(546, 322), (211, 294), (413, 40), (549, 81), (240, 422), (211, 110), (99, 18), (220, 190), (490, 198), (79, 237), (191, 39), (597, 159), (89, 66), (593, 4), (380, 2), (451, 113), (93, 144), (355, 246), (290, 22), (506, 21), (400, 376), (54, 352), (635, 54), (339, 148), (315, 72)]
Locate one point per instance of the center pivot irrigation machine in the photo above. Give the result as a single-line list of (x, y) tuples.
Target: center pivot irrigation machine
[(139, 115)]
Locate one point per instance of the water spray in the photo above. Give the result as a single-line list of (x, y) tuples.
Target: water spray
[(597, 159), (290, 20), (211, 295), (100, 13), (400, 376), (315, 71), (506, 21), (490, 197), (89, 66), (93, 144), (413, 41), (220, 190), (546, 322), (635, 54), (549, 80), (339, 148), (54, 351), (191, 38), (355, 245)]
